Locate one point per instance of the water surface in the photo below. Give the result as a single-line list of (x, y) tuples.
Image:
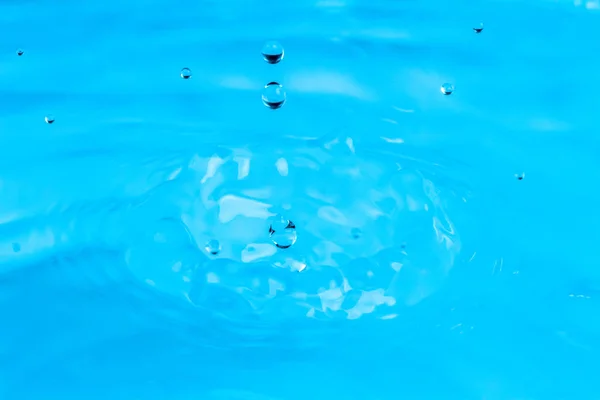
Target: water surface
[(135, 255)]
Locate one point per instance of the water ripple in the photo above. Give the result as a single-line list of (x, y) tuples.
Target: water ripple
[(414, 239)]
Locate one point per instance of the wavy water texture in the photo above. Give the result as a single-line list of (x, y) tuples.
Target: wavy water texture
[(423, 268)]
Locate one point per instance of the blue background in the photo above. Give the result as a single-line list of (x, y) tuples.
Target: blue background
[(466, 283)]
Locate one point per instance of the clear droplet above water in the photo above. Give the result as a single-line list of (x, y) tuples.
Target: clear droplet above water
[(20, 52), (186, 73), (447, 89), (213, 247), (283, 232), (478, 28), (273, 95), (49, 119), (272, 52)]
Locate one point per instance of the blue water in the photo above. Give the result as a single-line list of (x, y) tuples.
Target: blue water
[(423, 267)]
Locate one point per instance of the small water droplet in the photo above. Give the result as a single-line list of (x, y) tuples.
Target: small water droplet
[(213, 247), (20, 52), (356, 233), (186, 73), (520, 176), (272, 52), (16, 247), (49, 119), (478, 28), (447, 89), (283, 232), (273, 95)]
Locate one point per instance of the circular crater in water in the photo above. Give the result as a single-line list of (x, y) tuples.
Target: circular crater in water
[(373, 232)]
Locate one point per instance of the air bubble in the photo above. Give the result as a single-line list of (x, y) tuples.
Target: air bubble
[(283, 232), (273, 95), (49, 119), (213, 247), (447, 89), (520, 176), (20, 52), (356, 233), (16, 247), (186, 73), (272, 52), (479, 28)]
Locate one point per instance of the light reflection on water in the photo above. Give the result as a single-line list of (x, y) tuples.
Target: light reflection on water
[(136, 259)]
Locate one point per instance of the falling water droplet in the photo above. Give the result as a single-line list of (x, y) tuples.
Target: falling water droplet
[(283, 232), (447, 89), (49, 119), (273, 95), (272, 52), (356, 233), (186, 73), (520, 176), (479, 28), (20, 52), (213, 247)]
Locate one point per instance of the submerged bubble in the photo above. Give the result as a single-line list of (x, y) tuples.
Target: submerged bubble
[(16, 247), (49, 119), (186, 73), (479, 28), (283, 232), (356, 233), (213, 247), (273, 95), (20, 52), (272, 52), (520, 176), (447, 89)]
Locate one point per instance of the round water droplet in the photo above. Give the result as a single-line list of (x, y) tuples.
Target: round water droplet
[(16, 247), (520, 176), (356, 233), (273, 95), (213, 247), (20, 52), (478, 28), (272, 52), (49, 119), (447, 89), (283, 232), (186, 73)]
